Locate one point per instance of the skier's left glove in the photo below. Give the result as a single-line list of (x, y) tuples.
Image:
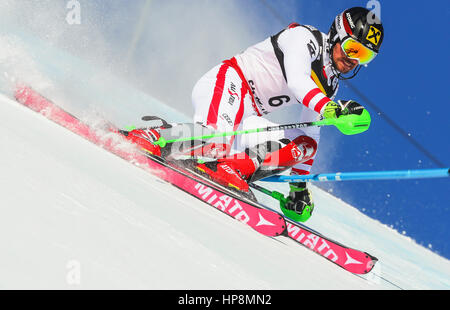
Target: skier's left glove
[(299, 204), (342, 107)]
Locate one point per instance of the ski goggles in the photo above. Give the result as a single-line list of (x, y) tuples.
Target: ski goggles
[(355, 50)]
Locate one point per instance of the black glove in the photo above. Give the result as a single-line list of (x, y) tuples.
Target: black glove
[(342, 107), (299, 198)]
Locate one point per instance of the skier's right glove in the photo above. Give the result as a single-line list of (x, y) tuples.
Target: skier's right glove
[(299, 204), (342, 107)]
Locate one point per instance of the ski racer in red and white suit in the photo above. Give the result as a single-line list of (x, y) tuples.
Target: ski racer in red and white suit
[(299, 65), (270, 75), (256, 83)]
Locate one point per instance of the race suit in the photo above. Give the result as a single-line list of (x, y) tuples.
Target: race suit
[(291, 67)]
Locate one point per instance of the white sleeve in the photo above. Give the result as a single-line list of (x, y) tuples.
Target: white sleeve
[(300, 49)]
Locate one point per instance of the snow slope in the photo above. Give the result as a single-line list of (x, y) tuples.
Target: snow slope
[(64, 200), (75, 216)]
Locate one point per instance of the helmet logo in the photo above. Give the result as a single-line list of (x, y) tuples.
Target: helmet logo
[(350, 21), (374, 35)]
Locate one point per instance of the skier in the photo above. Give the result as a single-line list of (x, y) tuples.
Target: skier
[(299, 65)]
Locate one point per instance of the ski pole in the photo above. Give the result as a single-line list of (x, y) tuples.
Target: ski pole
[(370, 175), (347, 124), (274, 194), (162, 142)]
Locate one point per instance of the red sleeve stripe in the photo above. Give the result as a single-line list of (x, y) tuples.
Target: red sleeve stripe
[(319, 106), (310, 95)]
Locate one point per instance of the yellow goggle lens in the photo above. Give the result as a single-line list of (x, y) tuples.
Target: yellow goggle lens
[(355, 50)]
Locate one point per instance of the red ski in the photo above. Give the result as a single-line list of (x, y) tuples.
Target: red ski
[(261, 218)]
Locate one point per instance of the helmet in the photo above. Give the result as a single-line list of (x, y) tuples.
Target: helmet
[(359, 24)]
